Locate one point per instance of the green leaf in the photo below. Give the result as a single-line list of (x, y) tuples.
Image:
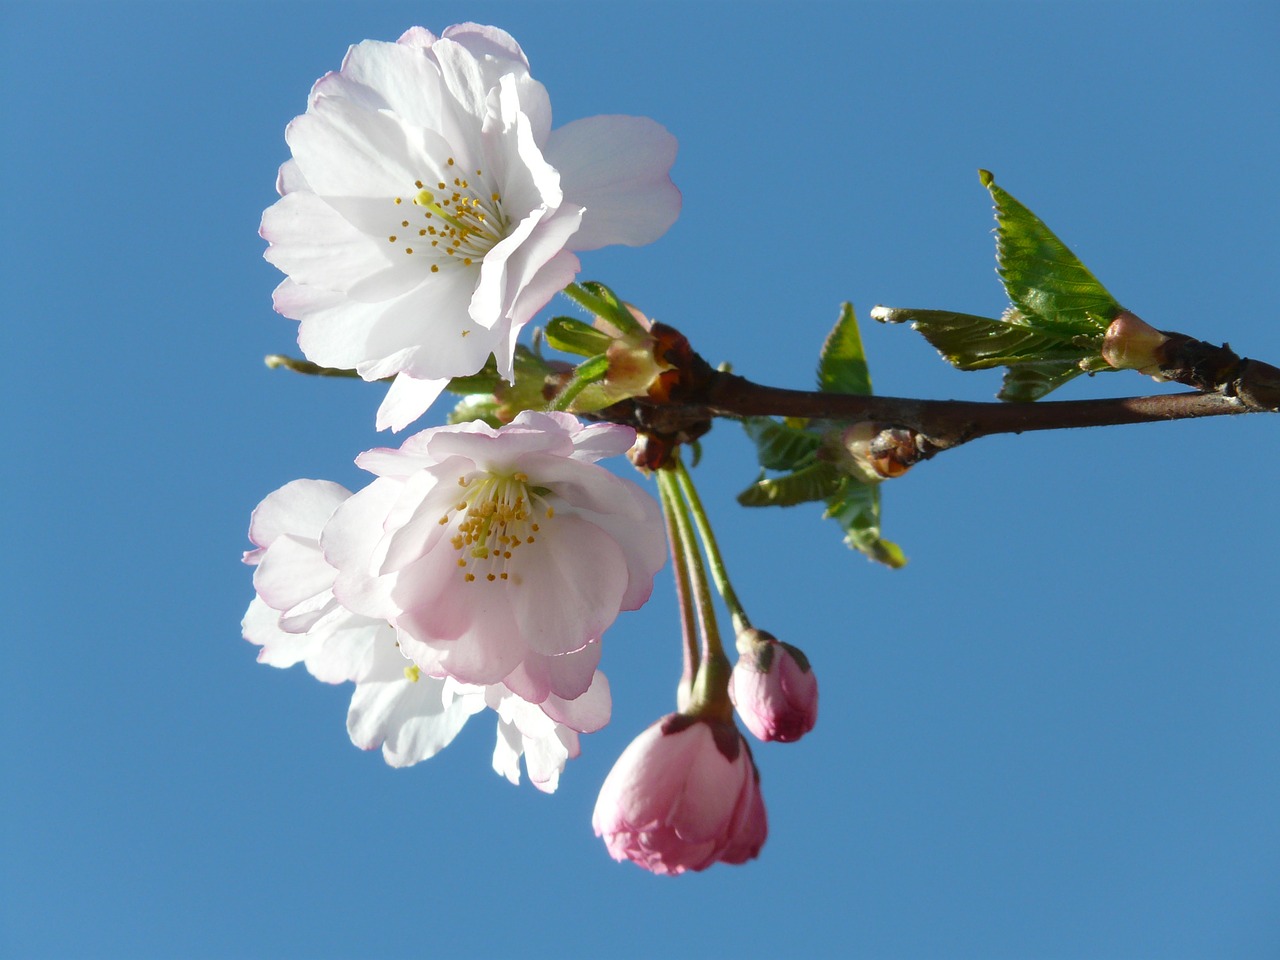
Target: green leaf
[(817, 481), (575, 336), (778, 446), (1043, 278), (1028, 382), (842, 365), (977, 343), (856, 507)]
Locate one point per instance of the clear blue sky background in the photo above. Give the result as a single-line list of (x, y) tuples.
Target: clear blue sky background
[(1056, 733)]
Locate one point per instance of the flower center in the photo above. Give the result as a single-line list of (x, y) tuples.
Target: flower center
[(450, 223), (497, 516)]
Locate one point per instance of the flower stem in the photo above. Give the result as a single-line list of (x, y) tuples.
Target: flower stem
[(718, 572), (277, 360), (711, 684), (684, 598)]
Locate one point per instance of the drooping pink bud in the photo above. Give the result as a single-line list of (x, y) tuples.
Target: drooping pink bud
[(774, 687), (682, 796)]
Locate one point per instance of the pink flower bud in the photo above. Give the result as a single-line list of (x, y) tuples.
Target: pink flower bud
[(773, 687), (683, 795)]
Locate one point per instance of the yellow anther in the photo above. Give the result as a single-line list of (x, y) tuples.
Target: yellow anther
[(391, 239), (435, 268), (412, 673)]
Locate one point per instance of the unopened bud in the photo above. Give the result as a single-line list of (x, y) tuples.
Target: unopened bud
[(871, 452), (773, 687), (1131, 343)]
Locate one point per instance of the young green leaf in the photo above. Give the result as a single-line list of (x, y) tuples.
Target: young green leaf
[(1043, 278), (842, 364), (977, 343), (856, 507), (778, 446), (817, 481), (1027, 382)]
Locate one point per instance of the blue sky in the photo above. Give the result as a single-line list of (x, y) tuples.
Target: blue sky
[(1053, 734)]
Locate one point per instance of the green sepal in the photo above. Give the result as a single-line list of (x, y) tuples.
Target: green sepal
[(599, 300), (856, 507), (842, 364), (1043, 278), (779, 446), (571, 335), (817, 481), (976, 343), (588, 372)]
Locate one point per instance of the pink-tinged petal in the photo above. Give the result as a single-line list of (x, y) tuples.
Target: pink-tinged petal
[(595, 441), (302, 617), (536, 285), (618, 168), (348, 542), (289, 179), (345, 149), (292, 571), (406, 78), (338, 649), (484, 42), (585, 572), (545, 758), (498, 452), (416, 37), (558, 680), (314, 244), (587, 487), (587, 713), (301, 508), (407, 400)]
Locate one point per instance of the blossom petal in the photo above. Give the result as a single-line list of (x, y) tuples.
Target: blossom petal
[(618, 168), (300, 507), (408, 718), (407, 400)]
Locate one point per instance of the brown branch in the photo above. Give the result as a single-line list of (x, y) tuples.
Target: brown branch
[(910, 430)]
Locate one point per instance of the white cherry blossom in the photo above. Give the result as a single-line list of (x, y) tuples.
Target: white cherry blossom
[(429, 210), (395, 706), (500, 555)]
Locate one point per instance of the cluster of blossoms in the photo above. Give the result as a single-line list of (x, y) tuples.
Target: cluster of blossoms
[(427, 213), (479, 569)]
